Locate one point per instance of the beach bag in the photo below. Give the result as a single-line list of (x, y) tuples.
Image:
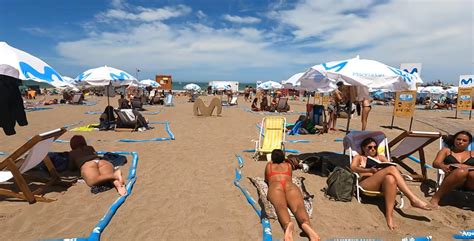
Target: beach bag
[(340, 185)]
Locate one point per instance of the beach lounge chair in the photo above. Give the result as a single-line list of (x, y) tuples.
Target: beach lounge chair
[(282, 105), (352, 142), (233, 101), (28, 156), (76, 99), (126, 120), (408, 143), (169, 100), (271, 136)]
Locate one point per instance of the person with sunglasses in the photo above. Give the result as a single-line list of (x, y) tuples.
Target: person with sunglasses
[(387, 180)]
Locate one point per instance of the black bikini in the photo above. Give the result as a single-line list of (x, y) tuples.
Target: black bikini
[(450, 159)]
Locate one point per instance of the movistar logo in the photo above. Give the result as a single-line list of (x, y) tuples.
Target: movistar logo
[(406, 76), (31, 73), (121, 76), (464, 234), (466, 81), (83, 76), (338, 66), (414, 70)]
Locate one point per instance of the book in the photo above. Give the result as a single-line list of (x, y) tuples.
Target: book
[(454, 166), (372, 162)]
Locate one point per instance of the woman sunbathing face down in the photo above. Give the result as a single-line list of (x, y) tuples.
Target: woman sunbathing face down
[(456, 161), (284, 194), (387, 180), (94, 170)]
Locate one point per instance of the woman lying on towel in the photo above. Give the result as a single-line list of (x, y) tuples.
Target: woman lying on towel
[(455, 160), (94, 170), (386, 180), (283, 194)]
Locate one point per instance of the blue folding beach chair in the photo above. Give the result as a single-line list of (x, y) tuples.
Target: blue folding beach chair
[(169, 100)]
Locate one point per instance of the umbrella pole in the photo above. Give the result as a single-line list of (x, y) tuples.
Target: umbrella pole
[(108, 96)]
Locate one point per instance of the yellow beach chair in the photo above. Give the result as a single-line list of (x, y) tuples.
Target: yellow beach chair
[(271, 137)]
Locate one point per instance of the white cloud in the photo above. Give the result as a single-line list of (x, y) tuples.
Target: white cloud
[(241, 20), (437, 34), (146, 14), (431, 32)]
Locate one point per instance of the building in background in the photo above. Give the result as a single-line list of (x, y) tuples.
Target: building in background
[(165, 81)]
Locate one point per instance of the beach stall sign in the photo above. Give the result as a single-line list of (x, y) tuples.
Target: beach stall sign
[(465, 99), (404, 105)]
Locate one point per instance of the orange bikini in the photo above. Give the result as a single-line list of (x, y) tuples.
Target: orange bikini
[(283, 181)]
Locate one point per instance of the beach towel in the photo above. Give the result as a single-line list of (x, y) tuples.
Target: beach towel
[(91, 127), (262, 190)]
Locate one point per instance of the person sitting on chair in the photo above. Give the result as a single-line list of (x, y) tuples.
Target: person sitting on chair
[(284, 194), (455, 153), (386, 180), (107, 118), (123, 103), (94, 170), (254, 105), (273, 104)]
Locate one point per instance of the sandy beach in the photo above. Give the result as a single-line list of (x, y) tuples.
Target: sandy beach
[(184, 188)]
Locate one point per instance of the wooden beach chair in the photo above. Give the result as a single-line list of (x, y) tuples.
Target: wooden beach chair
[(271, 136), (76, 99), (28, 156), (352, 142), (408, 143)]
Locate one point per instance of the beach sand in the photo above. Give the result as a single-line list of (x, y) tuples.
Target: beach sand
[(184, 188)]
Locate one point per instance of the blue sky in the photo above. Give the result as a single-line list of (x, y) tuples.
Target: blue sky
[(244, 40)]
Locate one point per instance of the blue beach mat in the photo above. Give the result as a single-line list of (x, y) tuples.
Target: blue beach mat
[(272, 113), (167, 128), (266, 227), (37, 109), (298, 141), (93, 112), (465, 234), (71, 125), (286, 150), (89, 103), (152, 113), (2, 153), (105, 220)]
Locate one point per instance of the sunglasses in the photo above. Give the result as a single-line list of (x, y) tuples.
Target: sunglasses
[(371, 147)]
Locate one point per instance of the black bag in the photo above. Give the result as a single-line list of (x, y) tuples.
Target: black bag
[(340, 185)]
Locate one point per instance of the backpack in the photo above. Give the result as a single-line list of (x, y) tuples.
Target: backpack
[(340, 185)]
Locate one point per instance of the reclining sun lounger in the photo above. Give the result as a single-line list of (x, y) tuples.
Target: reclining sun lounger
[(169, 100), (282, 105), (271, 136), (408, 143), (28, 156), (77, 99)]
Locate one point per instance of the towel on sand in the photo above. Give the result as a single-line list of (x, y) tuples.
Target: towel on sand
[(262, 189), (91, 127)]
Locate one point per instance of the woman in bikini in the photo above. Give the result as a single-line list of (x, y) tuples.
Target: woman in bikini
[(455, 153), (283, 194), (94, 170), (365, 101), (387, 180)]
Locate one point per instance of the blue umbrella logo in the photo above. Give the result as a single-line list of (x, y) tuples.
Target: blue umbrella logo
[(30, 72)]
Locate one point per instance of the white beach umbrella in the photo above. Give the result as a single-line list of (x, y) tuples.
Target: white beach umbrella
[(192, 86), (29, 66), (435, 90), (149, 82), (357, 72), (294, 80), (103, 76), (270, 85), (452, 90)]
